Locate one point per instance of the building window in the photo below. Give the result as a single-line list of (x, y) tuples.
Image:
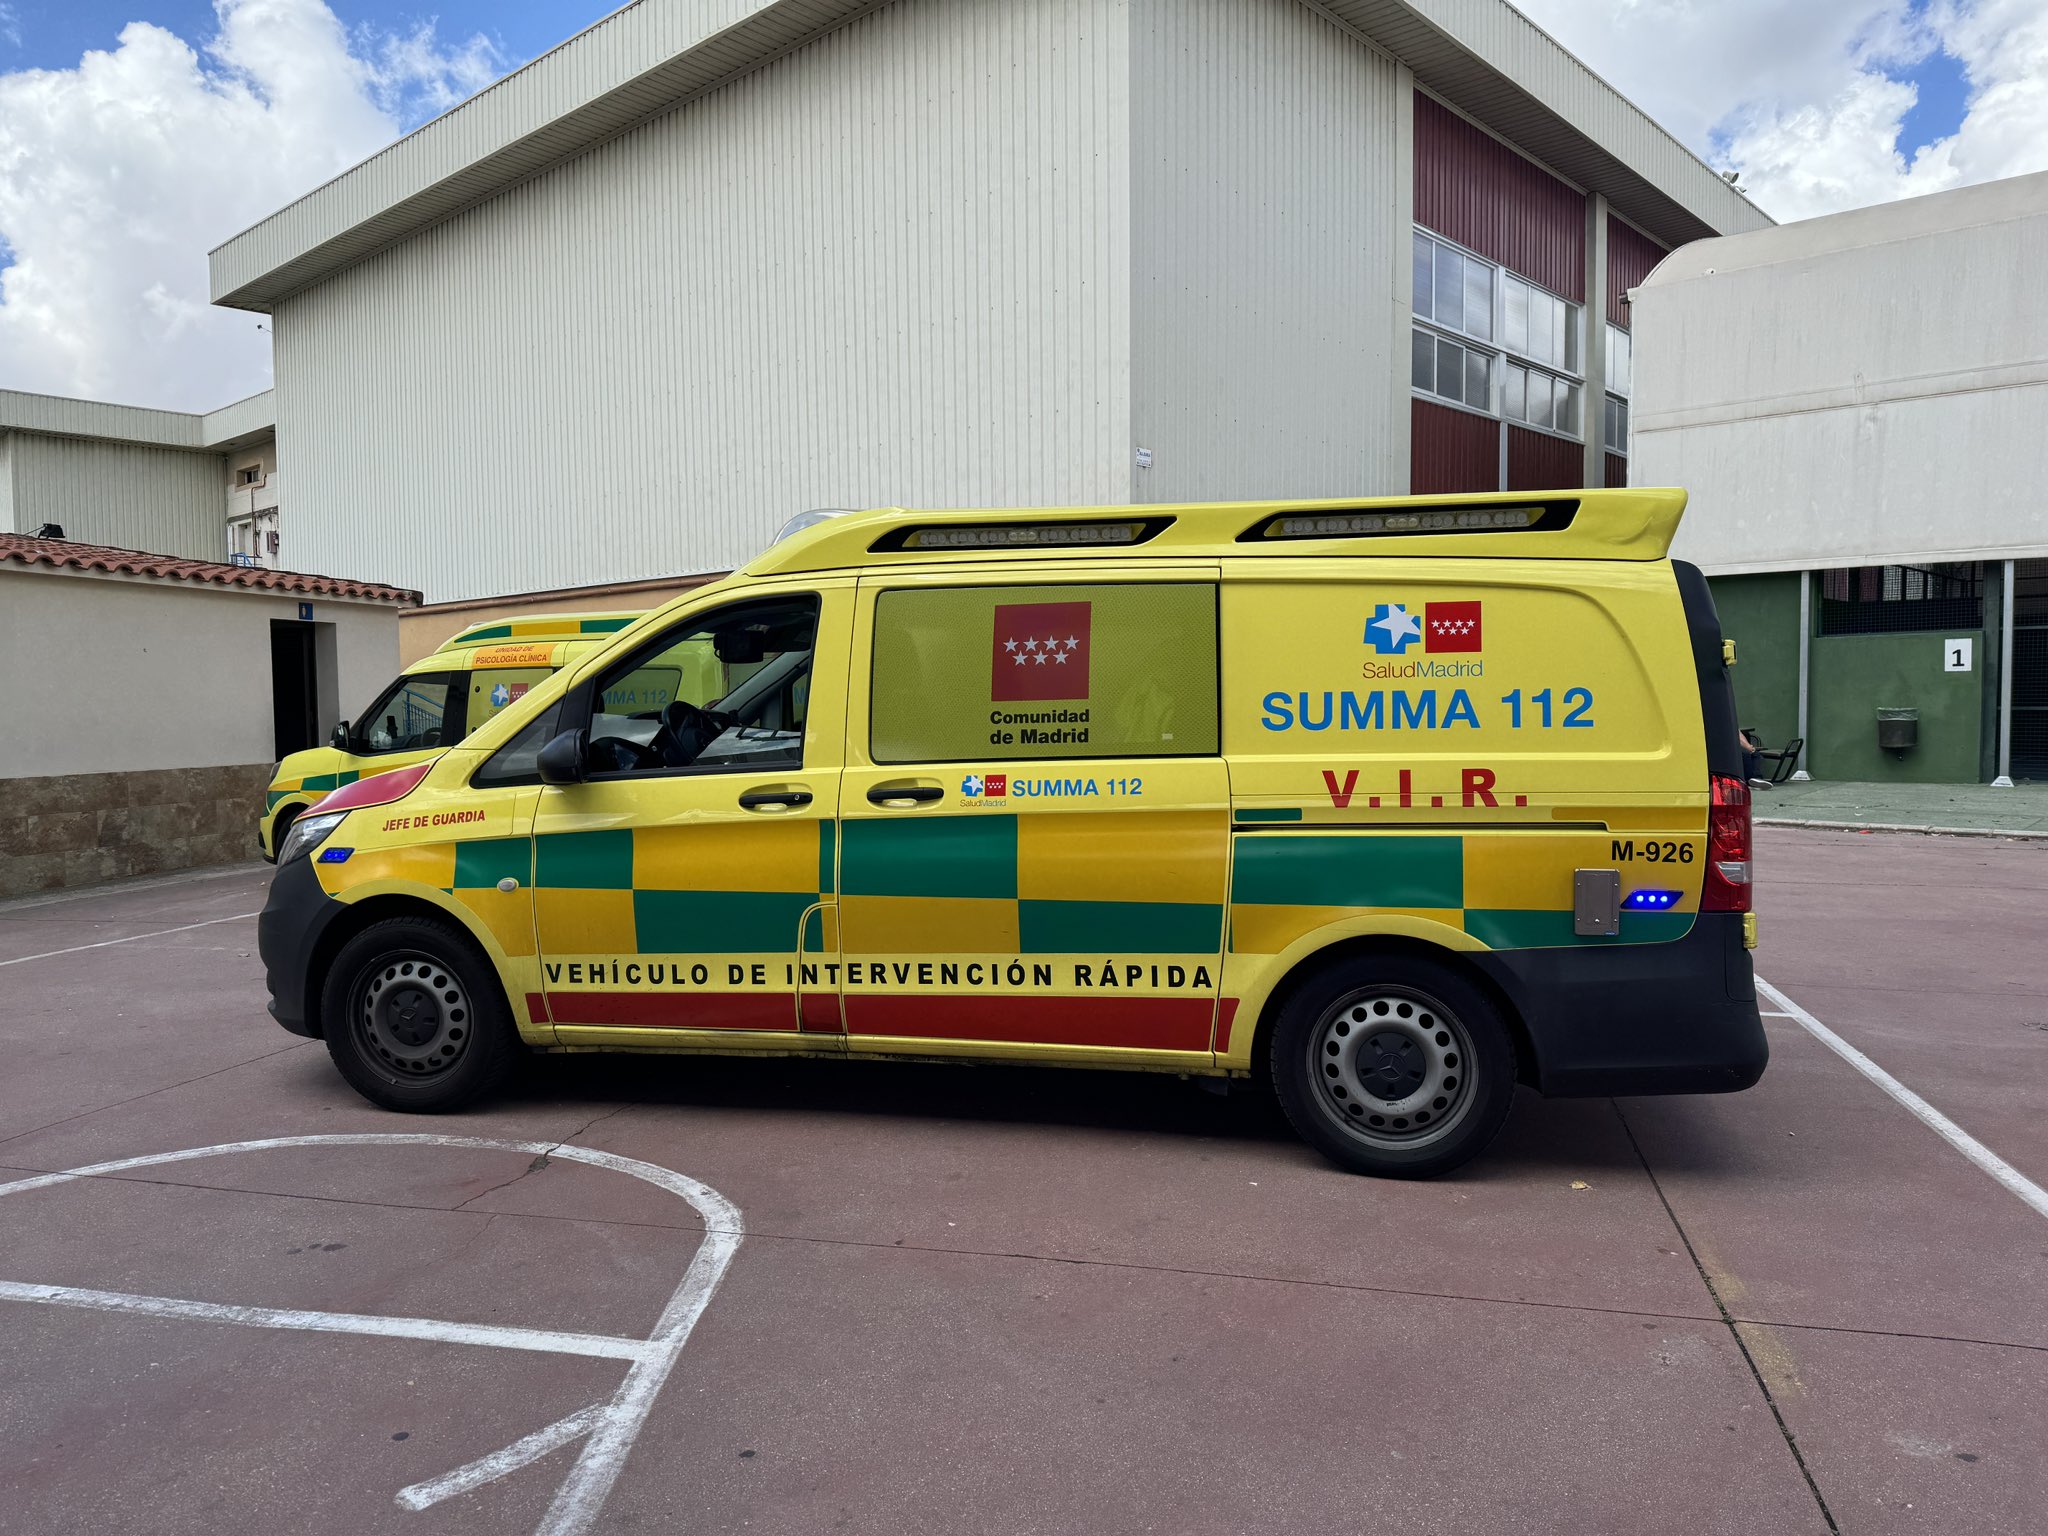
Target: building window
[(250, 475), (1493, 342), (1539, 399), (1451, 371), (1453, 288), (1614, 430), (1887, 599), (1620, 389)]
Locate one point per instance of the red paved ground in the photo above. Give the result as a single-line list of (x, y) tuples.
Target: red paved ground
[(1017, 1301)]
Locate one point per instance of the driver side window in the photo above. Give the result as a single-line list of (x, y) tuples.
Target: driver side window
[(417, 713), (723, 691)]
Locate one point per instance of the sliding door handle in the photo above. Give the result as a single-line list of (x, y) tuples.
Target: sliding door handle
[(905, 794), (774, 799)]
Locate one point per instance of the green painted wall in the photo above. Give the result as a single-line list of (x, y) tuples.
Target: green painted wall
[(1855, 675), (1761, 615)]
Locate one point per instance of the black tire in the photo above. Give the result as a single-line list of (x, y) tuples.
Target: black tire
[(414, 1017), (280, 827), (1393, 1065)]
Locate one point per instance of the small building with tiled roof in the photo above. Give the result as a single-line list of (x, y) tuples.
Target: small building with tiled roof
[(147, 696)]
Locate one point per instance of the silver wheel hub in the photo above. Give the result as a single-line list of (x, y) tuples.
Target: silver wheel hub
[(412, 1015), (1392, 1066)]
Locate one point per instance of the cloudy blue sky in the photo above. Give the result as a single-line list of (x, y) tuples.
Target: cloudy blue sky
[(137, 134)]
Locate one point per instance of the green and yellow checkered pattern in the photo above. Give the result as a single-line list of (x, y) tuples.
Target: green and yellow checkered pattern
[(1509, 891), (733, 888), (1043, 884)]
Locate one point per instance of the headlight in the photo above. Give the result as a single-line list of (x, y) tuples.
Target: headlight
[(308, 833)]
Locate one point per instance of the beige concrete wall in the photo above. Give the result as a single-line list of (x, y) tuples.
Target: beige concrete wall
[(113, 674), (423, 630), (138, 726)]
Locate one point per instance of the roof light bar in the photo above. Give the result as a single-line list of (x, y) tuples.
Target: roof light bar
[(1033, 535), (1423, 520)]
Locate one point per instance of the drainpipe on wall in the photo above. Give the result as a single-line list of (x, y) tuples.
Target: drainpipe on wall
[(1593, 418), (2004, 779), (1799, 773)]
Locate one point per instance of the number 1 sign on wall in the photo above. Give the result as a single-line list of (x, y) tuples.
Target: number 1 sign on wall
[(1957, 655)]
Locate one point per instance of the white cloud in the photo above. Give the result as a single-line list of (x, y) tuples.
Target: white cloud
[(1806, 99), (118, 176)]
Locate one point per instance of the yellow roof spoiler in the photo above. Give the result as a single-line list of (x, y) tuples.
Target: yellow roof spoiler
[(1632, 524)]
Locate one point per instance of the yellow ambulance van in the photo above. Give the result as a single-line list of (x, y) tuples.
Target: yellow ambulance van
[(435, 701), (1396, 802)]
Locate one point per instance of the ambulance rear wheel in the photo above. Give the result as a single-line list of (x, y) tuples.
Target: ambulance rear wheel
[(414, 1019), (1393, 1066)]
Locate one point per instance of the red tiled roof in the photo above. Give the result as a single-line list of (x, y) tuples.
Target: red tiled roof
[(24, 550)]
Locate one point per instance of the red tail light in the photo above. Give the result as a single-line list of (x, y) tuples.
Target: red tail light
[(1727, 887), (377, 789)]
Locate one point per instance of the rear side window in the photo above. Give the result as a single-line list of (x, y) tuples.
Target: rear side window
[(492, 689), (1080, 671)]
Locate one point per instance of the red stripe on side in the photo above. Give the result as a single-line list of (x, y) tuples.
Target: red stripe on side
[(821, 1013), (1132, 1023), (537, 1007), (676, 1010), (1224, 1015)]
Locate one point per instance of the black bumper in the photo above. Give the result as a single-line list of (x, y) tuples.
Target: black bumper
[(288, 933), (1639, 1018)]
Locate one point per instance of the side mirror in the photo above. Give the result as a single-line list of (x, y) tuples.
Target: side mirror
[(339, 738), (566, 759)]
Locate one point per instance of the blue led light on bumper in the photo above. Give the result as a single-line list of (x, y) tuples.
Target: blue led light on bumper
[(1637, 901), (335, 855)]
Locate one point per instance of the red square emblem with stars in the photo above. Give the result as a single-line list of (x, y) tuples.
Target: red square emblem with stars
[(1450, 627), (1041, 651)]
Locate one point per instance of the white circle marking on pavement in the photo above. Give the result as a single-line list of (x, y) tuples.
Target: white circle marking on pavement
[(611, 1426)]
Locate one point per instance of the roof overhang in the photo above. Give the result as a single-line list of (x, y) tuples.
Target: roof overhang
[(1482, 56), (253, 420), (1497, 66)]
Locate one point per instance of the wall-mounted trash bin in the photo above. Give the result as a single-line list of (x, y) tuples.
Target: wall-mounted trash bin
[(1898, 730)]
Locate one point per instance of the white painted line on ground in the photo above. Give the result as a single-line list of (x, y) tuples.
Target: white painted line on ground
[(541, 1340), (486, 1469), (1986, 1159), (612, 1426), (50, 954), (1773, 1014)]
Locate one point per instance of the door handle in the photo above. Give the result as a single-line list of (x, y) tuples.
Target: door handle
[(905, 794), (774, 799)]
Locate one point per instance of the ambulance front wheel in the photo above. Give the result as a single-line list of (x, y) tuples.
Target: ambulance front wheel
[(1393, 1065), (414, 1019)]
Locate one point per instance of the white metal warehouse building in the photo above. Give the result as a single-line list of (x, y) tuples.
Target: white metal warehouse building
[(712, 262), (1859, 406)]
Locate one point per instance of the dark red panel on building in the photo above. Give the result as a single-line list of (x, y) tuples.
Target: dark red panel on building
[(1617, 470), (1451, 451), (1539, 462), (1630, 256), (1473, 189)]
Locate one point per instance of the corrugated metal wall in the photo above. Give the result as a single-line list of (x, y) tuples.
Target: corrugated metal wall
[(155, 499), (1452, 451), (1539, 462), (1630, 256), (886, 268), (1269, 225), (1617, 469), (1472, 188)]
